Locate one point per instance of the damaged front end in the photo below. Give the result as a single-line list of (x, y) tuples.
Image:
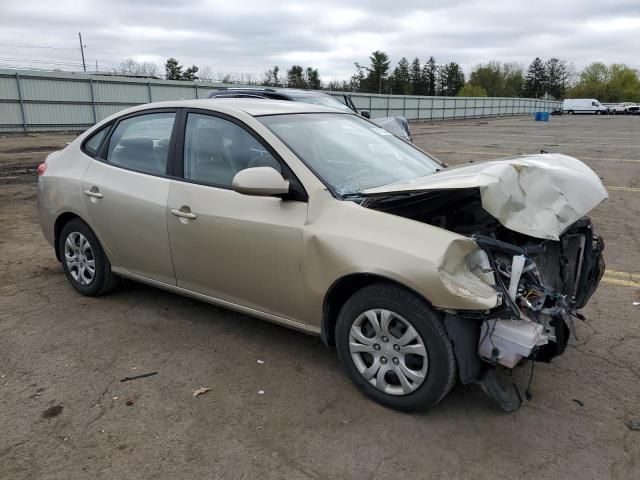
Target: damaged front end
[(543, 271)]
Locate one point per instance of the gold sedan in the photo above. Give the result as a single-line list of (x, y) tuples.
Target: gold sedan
[(319, 220)]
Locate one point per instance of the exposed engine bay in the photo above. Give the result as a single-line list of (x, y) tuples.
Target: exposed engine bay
[(542, 283)]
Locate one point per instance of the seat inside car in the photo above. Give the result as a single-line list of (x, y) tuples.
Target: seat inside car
[(237, 142), (209, 160), (138, 153)]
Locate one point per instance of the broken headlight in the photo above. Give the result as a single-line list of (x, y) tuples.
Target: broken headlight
[(479, 264)]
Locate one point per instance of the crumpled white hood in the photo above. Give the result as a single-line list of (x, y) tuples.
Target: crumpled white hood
[(537, 195)]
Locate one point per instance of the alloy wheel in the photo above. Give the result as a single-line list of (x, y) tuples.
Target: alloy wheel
[(79, 258)]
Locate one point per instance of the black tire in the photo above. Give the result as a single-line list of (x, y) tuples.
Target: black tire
[(441, 374), (570, 112), (104, 280)]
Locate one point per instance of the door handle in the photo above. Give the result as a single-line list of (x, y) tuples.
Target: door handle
[(181, 214), (94, 193)]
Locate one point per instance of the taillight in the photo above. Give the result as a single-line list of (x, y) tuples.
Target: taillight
[(42, 168)]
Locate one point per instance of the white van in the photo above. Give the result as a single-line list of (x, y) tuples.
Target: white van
[(583, 105)]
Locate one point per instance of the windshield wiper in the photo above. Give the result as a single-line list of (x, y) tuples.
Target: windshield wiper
[(352, 195)]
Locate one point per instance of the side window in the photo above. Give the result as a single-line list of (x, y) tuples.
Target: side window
[(595, 104), (91, 146), (142, 143), (216, 149)]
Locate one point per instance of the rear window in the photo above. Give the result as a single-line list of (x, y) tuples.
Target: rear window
[(92, 145), (142, 143)]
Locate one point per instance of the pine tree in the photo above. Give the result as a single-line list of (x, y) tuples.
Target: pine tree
[(415, 77), (535, 80), (377, 72), (451, 79), (402, 78), (429, 77), (190, 74), (295, 77), (313, 79), (556, 77), (173, 70)]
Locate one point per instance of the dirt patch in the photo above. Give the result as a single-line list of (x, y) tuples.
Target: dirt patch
[(80, 348), (52, 412)]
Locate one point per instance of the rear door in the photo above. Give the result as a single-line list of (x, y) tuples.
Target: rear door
[(125, 192), (242, 249)]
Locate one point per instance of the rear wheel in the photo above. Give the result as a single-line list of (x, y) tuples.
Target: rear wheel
[(394, 347), (570, 112), (83, 260)]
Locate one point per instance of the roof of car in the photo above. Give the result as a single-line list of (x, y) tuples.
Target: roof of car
[(291, 92), (252, 106), (263, 106)]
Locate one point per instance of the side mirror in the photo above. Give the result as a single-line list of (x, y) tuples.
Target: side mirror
[(365, 113), (262, 181)]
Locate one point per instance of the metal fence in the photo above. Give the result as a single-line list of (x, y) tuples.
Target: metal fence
[(32, 101)]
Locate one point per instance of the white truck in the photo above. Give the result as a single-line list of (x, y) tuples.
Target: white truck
[(583, 105)]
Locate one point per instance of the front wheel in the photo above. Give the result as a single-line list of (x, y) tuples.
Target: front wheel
[(83, 260), (394, 347)]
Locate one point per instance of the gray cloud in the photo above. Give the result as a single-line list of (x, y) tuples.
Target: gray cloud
[(251, 36)]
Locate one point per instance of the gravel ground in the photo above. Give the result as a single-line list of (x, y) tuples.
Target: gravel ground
[(279, 405)]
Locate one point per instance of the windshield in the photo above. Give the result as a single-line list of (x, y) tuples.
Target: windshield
[(348, 153), (324, 100)]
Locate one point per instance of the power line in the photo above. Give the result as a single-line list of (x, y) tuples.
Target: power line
[(53, 61), (36, 46)]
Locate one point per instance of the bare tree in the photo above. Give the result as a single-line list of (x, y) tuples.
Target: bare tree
[(129, 66), (149, 69), (206, 74)]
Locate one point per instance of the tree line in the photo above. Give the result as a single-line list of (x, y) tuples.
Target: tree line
[(551, 78)]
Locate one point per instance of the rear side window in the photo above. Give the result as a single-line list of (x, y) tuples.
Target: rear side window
[(142, 143), (93, 144)]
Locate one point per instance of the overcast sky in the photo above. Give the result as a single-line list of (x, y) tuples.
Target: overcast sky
[(251, 36)]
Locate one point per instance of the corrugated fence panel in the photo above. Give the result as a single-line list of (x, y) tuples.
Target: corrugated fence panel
[(10, 115), (55, 90), (58, 114), (69, 101), (9, 88), (163, 93), (104, 111), (127, 93)]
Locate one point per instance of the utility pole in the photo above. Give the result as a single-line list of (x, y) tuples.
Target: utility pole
[(84, 66)]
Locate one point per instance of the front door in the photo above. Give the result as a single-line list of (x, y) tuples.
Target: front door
[(242, 249), (125, 194)]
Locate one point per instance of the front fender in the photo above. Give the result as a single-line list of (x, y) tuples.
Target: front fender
[(343, 238)]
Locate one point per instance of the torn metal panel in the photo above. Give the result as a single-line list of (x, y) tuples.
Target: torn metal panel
[(537, 195), (396, 125)]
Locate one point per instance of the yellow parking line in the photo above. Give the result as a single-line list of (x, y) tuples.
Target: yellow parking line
[(502, 154), (625, 279), (622, 189), (619, 273), (620, 282), (626, 275)]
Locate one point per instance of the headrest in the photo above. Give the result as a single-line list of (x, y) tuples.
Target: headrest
[(137, 143), (208, 145)]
